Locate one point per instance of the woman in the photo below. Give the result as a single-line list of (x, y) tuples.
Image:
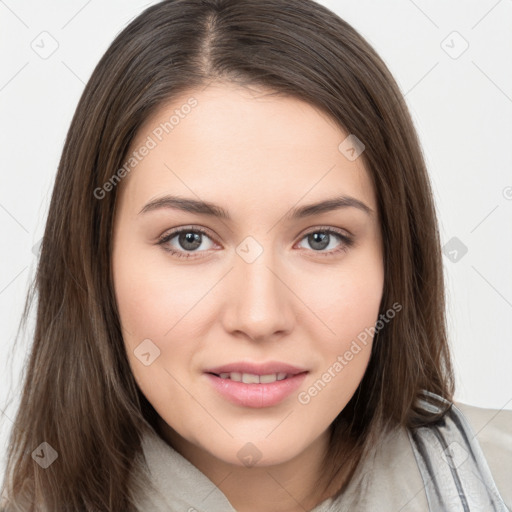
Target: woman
[(241, 301)]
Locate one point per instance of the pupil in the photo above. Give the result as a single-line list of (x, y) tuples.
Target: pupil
[(194, 239), (319, 240)]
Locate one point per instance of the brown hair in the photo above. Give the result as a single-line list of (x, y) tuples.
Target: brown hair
[(79, 394)]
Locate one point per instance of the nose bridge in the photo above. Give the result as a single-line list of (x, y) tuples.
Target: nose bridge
[(260, 300)]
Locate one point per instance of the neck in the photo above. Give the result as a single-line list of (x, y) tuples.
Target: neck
[(291, 486)]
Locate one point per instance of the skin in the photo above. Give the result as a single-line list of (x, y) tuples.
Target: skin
[(258, 156)]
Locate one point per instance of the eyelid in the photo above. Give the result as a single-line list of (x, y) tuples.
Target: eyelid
[(190, 227), (339, 231), (206, 231)]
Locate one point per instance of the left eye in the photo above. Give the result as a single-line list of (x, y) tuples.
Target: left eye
[(321, 238)]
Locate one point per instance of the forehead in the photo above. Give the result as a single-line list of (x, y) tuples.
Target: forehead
[(239, 146)]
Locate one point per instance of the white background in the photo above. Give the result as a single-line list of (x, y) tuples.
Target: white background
[(462, 108)]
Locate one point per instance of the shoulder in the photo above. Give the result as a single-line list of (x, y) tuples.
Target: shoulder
[(492, 428)]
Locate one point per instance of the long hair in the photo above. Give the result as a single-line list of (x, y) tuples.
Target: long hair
[(79, 395)]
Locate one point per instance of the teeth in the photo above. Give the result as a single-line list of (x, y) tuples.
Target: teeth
[(251, 378)]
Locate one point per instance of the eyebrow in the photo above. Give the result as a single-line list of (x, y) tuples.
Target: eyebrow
[(211, 209)]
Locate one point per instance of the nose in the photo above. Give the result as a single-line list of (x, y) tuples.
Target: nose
[(260, 304)]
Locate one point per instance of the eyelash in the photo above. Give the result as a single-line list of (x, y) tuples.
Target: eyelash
[(346, 241)]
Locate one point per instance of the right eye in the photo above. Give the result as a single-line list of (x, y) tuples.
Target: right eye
[(189, 239)]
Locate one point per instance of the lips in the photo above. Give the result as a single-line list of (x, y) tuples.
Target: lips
[(256, 395)]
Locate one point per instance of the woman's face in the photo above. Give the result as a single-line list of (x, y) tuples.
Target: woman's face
[(273, 284)]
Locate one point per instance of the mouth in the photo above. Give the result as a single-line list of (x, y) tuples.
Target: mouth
[(256, 385), (250, 371), (253, 378)]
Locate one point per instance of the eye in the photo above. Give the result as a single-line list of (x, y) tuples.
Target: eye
[(322, 238), (188, 239)]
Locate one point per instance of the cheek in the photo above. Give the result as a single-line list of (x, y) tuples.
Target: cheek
[(345, 301), (348, 306), (344, 353), (151, 299), (153, 305), (327, 393), (159, 304)]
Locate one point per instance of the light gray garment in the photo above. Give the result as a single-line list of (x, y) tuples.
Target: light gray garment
[(406, 473)]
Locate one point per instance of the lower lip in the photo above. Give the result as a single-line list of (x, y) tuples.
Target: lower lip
[(256, 395)]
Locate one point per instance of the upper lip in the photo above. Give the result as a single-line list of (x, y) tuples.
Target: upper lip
[(257, 368)]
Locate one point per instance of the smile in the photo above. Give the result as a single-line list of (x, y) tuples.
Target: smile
[(252, 378)]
